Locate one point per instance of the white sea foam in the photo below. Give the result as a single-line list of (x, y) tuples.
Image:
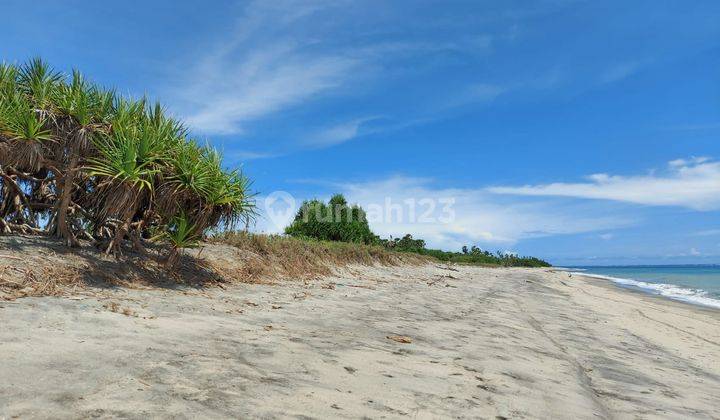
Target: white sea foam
[(572, 270), (672, 291)]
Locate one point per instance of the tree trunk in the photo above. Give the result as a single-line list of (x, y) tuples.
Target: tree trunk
[(121, 231), (172, 259), (62, 230)]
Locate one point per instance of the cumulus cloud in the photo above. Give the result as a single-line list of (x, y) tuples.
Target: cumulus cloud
[(452, 217), (449, 218), (692, 183)]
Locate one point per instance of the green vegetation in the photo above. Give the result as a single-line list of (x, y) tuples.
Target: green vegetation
[(80, 161), (334, 221), (472, 256)]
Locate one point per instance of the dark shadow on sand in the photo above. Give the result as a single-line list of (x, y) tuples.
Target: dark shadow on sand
[(111, 272)]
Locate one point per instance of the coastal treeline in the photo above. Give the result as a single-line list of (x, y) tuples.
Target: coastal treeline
[(338, 221), (472, 255), (78, 161)]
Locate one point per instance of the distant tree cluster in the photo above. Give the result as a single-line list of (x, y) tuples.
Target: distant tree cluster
[(473, 255), (334, 221), (337, 221), (407, 244)]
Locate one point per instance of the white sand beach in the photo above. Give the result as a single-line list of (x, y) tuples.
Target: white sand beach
[(484, 343)]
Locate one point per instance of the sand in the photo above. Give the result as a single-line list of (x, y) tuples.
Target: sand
[(484, 343)]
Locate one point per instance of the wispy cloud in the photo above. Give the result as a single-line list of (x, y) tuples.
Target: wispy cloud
[(472, 94), (242, 155), (262, 83), (620, 71), (695, 127), (256, 71), (708, 232), (339, 133), (485, 92), (692, 183), (282, 55)]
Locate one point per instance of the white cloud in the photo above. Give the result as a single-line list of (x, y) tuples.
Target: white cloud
[(241, 155), (337, 134), (709, 232), (606, 236), (679, 163), (471, 94), (472, 216), (620, 71), (284, 54), (695, 127), (263, 82), (693, 183), (485, 92), (262, 66), (476, 217)]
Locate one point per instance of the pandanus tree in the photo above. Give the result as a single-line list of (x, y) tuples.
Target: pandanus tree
[(78, 161)]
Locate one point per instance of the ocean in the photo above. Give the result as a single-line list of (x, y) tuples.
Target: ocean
[(697, 284)]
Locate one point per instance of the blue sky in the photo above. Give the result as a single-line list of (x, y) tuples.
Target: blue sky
[(586, 132)]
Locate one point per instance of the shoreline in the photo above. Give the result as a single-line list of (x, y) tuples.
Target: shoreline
[(648, 296), (477, 342), (665, 291)]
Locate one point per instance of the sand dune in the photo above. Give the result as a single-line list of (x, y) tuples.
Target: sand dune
[(484, 343)]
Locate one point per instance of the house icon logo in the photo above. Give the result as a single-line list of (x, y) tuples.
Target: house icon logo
[(280, 208)]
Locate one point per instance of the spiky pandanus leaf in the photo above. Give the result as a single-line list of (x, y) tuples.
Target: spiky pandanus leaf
[(200, 188), (229, 200), (8, 79), (84, 107), (39, 82), (185, 179), (130, 157), (85, 155), (123, 176), (25, 132), (180, 233)]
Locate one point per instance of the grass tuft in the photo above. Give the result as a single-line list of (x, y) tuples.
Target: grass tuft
[(275, 256)]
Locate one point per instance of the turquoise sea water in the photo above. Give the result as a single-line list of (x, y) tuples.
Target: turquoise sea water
[(698, 284)]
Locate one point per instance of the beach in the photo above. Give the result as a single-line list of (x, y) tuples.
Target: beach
[(429, 341)]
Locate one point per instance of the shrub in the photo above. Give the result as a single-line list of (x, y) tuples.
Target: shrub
[(406, 243), (472, 256), (80, 161), (334, 221)]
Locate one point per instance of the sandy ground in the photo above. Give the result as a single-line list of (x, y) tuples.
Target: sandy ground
[(485, 343)]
